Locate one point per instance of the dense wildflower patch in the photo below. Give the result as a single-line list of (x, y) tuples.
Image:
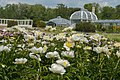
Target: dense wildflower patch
[(30, 54)]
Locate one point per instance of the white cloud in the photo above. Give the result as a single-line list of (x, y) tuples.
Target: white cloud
[(71, 3), (104, 4)]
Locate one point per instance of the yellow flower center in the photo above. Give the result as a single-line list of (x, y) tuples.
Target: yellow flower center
[(45, 48), (65, 64), (69, 44), (78, 46)]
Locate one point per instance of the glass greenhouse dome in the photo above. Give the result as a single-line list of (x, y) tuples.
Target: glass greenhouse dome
[(59, 21), (83, 15)]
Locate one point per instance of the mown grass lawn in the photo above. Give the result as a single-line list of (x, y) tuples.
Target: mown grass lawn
[(113, 36)]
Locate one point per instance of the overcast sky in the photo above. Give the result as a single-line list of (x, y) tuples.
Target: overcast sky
[(69, 3)]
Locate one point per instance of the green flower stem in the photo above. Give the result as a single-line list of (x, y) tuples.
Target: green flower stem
[(58, 77), (101, 59), (115, 68), (39, 69), (117, 64), (34, 63), (37, 78), (62, 77), (52, 61)]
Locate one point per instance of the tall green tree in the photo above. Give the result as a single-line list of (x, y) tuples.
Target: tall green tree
[(108, 13), (118, 11), (1, 12), (61, 10), (24, 11), (38, 11), (90, 5), (97, 8), (49, 14)]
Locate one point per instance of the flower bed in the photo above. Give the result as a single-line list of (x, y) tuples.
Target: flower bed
[(33, 55)]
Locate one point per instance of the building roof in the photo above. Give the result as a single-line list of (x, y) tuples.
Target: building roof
[(107, 21), (59, 21), (83, 14)]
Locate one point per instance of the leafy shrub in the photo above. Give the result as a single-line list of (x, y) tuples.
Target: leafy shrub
[(12, 23), (34, 22), (38, 23), (103, 29), (116, 28), (99, 27), (85, 27), (110, 29)]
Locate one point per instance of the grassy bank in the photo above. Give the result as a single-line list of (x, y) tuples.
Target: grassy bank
[(113, 36)]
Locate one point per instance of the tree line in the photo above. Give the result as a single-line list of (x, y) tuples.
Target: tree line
[(40, 12)]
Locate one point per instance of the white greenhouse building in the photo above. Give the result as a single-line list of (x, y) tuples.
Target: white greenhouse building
[(59, 21), (83, 16)]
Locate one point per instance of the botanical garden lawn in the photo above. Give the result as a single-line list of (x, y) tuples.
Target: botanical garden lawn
[(113, 36)]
